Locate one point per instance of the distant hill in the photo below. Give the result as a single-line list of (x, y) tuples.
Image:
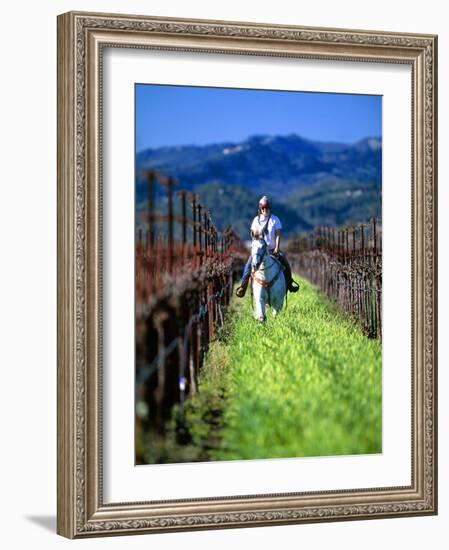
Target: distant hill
[(337, 203), (237, 206), (310, 183)]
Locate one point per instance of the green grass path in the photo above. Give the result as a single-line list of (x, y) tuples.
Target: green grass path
[(308, 383)]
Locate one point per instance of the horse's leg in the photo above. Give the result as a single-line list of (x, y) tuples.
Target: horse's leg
[(276, 305), (259, 312), (263, 304), (277, 295)]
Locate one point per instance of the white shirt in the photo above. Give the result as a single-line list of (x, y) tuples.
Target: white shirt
[(274, 223)]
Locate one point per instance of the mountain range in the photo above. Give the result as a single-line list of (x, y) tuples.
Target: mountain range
[(309, 182)]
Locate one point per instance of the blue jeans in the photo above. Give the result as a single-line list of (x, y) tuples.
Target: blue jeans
[(246, 272)]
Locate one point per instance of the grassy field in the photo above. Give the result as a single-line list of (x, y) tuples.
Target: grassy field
[(308, 383)]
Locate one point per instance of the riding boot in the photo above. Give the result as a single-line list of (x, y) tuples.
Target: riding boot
[(290, 284), (241, 290)]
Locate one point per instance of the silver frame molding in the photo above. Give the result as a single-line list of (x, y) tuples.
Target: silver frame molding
[(81, 37)]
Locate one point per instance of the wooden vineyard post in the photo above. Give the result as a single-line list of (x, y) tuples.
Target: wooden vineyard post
[(200, 232), (170, 224), (159, 320)]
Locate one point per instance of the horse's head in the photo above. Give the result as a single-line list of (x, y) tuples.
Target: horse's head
[(258, 252)]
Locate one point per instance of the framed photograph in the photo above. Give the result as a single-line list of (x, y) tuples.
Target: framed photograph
[(247, 274)]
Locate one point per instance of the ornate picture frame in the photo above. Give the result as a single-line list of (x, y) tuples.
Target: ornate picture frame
[(82, 39)]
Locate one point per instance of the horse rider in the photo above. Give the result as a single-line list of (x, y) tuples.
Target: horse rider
[(269, 226)]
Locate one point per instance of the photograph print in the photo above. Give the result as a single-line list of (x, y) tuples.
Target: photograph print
[(258, 274)]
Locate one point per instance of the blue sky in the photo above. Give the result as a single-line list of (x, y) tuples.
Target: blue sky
[(186, 115)]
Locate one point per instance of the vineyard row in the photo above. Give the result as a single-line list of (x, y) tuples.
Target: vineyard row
[(347, 265), (183, 286)]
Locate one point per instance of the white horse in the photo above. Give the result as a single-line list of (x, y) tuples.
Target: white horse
[(268, 280)]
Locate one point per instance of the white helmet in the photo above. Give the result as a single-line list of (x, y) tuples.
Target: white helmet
[(264, 201)]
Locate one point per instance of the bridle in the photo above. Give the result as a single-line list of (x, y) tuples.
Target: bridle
[(261, 254)]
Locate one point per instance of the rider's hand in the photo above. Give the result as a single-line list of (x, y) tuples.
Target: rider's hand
[(276, 251)]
